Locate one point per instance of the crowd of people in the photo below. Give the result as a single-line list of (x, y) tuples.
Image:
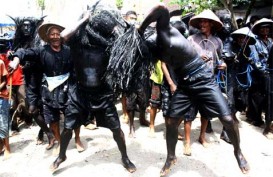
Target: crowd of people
[(181, 66)]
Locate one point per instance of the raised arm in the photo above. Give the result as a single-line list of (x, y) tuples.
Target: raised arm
[(159, 14), (71, 30), (177, 12)]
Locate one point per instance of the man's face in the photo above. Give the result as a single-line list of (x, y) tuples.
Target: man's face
[(131, 19), (264, 30), (205, 26), (54, 36), (241, 40), (26, 28)]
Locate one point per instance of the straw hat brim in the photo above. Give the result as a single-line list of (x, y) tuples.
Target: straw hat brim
[(43, 29), (206, 14), (262, 22), (246, 32)]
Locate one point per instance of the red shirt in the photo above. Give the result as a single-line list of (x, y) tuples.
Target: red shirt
[(17, 76), (3, 72)]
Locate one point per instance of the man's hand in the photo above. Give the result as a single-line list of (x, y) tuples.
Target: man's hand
[(9, 54), (32, 109), (222, 66), (173, 88), (13, 65), (206, 58)]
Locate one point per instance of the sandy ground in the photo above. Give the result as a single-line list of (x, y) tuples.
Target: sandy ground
[(102, 158)]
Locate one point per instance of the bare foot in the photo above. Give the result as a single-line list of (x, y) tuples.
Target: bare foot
[(128, 165), (56, 164), (14, 133), (166, 169), (132, 135), (39, 141), (152, 133), (91, 126), (132, 131), (203, 142), (144, 122), (268, 135), (51, 141), (243, 165), (187, 149), (125, 119), (6, 154), (40, 138), (180, 137), (79, 146), (56, 150)]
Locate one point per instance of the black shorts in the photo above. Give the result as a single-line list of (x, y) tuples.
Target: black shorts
[(136, 100), (98, 102), (201, 92), (51, 114), (166, 99)]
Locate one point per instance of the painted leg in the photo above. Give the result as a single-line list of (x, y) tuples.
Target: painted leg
[(131, 116), (39, 119), (118, 136), (171, 140), (65, 138), (233, 133), (142, 119)]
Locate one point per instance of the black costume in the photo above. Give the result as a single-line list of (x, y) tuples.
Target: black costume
[(196, 87), (91, 94), (53, 64)]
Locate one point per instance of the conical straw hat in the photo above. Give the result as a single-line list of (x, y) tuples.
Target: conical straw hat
[(262, 22), (206, 14), (244, 31)]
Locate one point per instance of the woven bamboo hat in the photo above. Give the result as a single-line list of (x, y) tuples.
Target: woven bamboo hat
[(260, 23), (44, 29), (206, 14), (246, 32)]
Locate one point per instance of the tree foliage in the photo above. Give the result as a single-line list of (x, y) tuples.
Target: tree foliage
[(41, 4), (197, 6), (119, 4)]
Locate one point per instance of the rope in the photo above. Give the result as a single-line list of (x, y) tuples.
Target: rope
[(248, 76), (221, 78)]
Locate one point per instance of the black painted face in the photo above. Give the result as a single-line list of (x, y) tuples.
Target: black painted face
[(26, 28), (103, 23), (226, 20), (105, 27)]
